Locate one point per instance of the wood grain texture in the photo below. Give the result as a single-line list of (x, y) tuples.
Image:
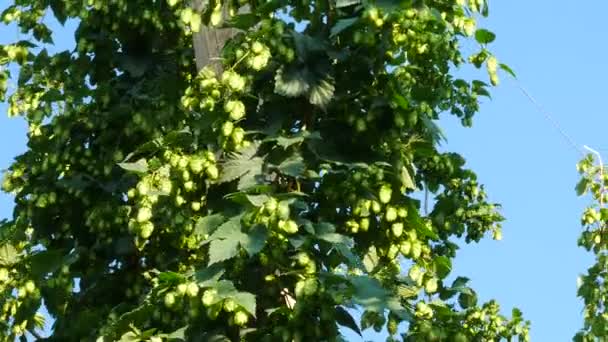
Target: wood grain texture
[(208, 43)]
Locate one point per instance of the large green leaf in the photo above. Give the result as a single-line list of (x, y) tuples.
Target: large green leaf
[(342, 25), (443, 266), (322, 92), (292, 82), (209, 275), (208, 224), (177, 335), (255, 240), (247, 301), (293, 166), (224, 249), (8, 255)]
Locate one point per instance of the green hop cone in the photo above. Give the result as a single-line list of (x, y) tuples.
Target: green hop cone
[(385, 193)]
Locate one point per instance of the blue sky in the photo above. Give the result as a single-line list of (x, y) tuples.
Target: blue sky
[(560, 58)]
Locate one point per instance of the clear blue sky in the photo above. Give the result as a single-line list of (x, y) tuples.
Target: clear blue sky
[(560, 56)]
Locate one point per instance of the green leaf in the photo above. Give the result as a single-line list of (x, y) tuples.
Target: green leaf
[(401, 101), (58, 8), (293, 166), (247, 301), (372, 296), (129, 337), (255, 240), (225, 289), (342, 25), (258, 200), (307, 46), (507, 69), (286, 142), (336, 238), (140, 166), (229, 229), (484, 36), (436, 132), (208, 224), (170, 278), (346, 251), (345, 319), (322, 92), (292, 82), (388, 5), (8, 255), (177, 335), (239, 164), (243, 21), (45, 262), (209, 275), (467, 299), (220, 250), (460, 283), (581, 186), (443, 266)]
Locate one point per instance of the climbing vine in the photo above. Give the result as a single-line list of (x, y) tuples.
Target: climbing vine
[(263, 202)]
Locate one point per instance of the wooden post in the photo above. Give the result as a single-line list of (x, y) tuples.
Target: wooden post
[(209, 41)]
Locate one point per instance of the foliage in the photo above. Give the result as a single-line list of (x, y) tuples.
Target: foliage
[(158, 202), (592, 286)]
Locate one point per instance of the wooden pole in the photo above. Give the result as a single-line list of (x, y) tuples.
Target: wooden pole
[(209, 41)]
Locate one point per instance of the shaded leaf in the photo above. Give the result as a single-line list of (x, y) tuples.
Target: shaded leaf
[(345, 319), (443, 266), (467, 299), (293, 166), (254, 241), (243, 21), (436, 132), (342, 25), (209, 275), (286, 142), (179, 334), (58, 8), (322, 92), (45, 262), (208, 224), (307, 45)]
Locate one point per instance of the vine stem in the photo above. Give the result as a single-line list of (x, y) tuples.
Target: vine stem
[(240, 60)]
